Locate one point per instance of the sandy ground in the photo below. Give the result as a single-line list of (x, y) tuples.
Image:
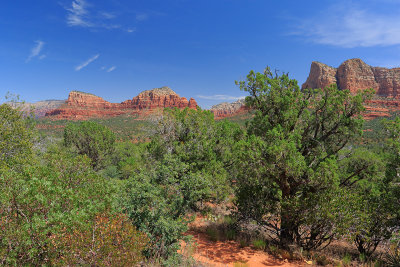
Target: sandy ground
[(229, 253)]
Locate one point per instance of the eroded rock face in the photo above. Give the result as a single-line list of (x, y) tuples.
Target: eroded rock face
[(224, 110), (158, 98), (388, 81), (321, 76), (85, 100), (355, 75), (83, 105)]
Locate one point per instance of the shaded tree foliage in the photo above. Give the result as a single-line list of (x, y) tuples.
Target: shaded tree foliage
[(91, 139), (186, 163), (53, 204), (16, 137), (111, 240), (37, 202), (289, 160), (192, 138)]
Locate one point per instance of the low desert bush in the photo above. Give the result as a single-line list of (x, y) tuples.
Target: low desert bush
[(240, 264), (259, 244)]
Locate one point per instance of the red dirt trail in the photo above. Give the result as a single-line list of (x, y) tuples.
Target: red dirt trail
[(227, 253)]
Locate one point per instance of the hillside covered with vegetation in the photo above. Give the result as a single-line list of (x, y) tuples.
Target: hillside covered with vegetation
[(301, 171)]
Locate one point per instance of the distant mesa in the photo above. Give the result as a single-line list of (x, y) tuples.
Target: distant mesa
[(355, 75), (39, 108), (225, 110), (82, 105)]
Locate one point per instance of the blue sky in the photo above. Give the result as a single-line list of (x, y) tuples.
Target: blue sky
[(118, 48)]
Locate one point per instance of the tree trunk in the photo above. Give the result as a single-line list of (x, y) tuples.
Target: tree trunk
[(288, 227)]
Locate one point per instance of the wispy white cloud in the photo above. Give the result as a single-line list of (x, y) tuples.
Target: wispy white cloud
[(142, 17), (78, 14), (348, 25), (36, 50), (130, 30), (107, 15), (87, 62), (111, 69), (81, 13), (220, 97)]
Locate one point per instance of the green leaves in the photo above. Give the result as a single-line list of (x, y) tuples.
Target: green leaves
[(290, 157), (91, 139), (16, 137), (40, 201), (186, 162)]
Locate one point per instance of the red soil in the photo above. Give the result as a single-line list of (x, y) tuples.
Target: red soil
[(227, 253)]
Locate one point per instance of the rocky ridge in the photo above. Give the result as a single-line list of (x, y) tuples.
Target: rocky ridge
[(225, 109), (82, 105), (355, 75), (39, 108)]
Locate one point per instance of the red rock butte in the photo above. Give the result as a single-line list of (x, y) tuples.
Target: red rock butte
[(355, 75), (82, 105), (225, 110)]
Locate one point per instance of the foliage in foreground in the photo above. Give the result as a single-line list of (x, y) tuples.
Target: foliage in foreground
[(16, 137), (185, 163), (111, 240), (298, 170), (291, 159), (50, 201), (91, 139)]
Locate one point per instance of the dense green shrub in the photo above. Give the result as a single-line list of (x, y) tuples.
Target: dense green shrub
[(289, 160), (203, 146), (91, 139), (157, 210), (185, 163), (40, 201), (111, 240), (16, 137)]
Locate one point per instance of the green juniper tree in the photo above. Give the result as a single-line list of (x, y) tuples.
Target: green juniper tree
[(16, 137), (91, 139), (288, 166), (185, 163)]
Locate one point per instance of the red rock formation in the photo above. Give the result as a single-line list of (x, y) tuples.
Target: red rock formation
[(85, 100), (158, 98), (82, 105), (192, 103), (224, 110), (355, 75), (321, 76)]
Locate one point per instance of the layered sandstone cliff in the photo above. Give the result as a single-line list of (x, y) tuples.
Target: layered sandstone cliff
[(159, 98), (355, 75), (224, 110), (82, 105)]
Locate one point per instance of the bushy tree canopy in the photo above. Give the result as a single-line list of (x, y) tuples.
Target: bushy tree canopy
[(16, 137), (289, 162), (91, 139)]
